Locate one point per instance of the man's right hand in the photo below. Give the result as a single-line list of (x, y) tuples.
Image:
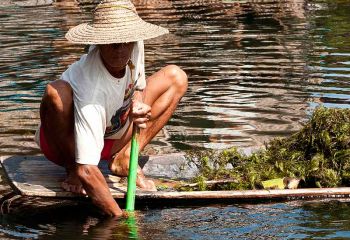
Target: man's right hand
[(96, 187)]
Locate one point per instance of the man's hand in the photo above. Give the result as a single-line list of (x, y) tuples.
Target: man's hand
[(96, 187), (140, 113)]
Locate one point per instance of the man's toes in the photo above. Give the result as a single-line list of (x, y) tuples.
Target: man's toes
[(151, 186), (78, 189), (146, 184), (82, 190), (64, 185), (73, 188)]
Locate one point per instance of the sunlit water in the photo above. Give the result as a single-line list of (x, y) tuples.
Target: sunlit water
[(256, 70)]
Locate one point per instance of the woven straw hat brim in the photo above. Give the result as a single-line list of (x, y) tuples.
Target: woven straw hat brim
[(87, 34)]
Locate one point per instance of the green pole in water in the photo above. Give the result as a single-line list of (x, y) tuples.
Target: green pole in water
[(134, 154), (132, 226)]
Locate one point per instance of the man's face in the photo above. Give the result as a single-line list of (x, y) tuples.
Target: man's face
[(116, 55)]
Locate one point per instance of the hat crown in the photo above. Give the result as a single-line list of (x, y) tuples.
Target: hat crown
[(114, 14)]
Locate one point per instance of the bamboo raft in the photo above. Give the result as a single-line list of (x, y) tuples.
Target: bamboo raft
[(38, 177)]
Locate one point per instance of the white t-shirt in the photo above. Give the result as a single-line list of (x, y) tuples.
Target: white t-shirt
[(101, 101)]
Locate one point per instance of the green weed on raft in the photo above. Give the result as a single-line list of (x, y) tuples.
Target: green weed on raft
[(319, 155)]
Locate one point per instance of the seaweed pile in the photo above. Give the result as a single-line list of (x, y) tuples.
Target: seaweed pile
[(318, 155)]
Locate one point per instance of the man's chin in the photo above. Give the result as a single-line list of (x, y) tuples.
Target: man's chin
[(115, 64)]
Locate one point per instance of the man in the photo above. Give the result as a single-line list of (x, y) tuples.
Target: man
[(89, 113)]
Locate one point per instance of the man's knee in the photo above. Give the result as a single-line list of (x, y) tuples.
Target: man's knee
[(178, 77), (58, 95)]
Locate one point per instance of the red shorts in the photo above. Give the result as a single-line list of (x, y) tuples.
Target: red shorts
[(105, 154)]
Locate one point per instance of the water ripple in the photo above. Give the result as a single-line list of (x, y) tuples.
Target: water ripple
[(255, 68)]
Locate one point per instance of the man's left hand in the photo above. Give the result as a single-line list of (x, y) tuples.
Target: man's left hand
[(140, 113)]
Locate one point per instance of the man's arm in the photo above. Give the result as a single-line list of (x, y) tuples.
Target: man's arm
[(138, 96), (96, 187), (91, 177), (141, 112)]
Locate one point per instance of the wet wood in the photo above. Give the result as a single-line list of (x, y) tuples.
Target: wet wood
[(211, 182), (254, 194), (35, 176)]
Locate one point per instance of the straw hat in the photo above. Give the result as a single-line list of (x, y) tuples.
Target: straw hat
[(115, 21)]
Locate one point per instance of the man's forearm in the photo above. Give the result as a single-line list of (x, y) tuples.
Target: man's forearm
[(96, 187), (138, 96)]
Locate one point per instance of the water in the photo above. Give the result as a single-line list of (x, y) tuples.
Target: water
[(256, 70), (292, 220)]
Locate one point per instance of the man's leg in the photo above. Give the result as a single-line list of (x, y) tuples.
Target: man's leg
[(164, 90), (57, 123)]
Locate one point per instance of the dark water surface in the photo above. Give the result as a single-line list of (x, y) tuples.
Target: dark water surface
[(256, 71), (292, 220)]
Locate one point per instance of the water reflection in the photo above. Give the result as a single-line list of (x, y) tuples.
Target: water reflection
[(255, 68), (251, 76), (326, 219), (70, 221)]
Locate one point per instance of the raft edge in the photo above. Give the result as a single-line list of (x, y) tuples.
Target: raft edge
[(238, 195)]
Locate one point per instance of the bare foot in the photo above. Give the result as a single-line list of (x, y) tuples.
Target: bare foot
[(141, 181), (145, 184), (73, 184)]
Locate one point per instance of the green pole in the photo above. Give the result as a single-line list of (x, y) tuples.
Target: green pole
[(134, 154), (132, 226)]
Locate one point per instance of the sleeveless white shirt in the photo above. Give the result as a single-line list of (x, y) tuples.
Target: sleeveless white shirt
[(101, 101)]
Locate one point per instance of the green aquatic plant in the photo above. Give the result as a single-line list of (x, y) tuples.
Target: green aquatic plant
[(319, 155)]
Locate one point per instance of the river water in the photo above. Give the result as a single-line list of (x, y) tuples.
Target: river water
[(256, 71)]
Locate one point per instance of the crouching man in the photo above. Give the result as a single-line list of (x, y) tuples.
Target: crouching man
[(88, 114)]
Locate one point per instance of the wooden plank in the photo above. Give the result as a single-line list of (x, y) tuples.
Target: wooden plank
[(35, 176), (250, 194)]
